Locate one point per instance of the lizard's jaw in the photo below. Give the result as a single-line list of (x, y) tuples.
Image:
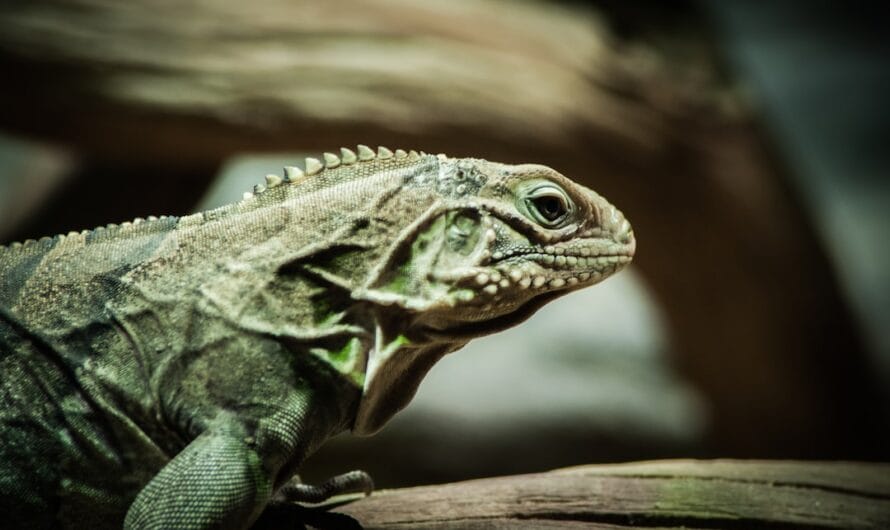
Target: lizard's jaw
[(515, 276)]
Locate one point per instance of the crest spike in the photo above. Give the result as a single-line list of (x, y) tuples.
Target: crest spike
[(331, 160), (272, 180), (293, 173), (365, 152), (383, 153), (313, 166), (348, 156), (401, 153)]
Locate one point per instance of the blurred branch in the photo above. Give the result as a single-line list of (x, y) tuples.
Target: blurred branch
[(228, 75), (757, 319)]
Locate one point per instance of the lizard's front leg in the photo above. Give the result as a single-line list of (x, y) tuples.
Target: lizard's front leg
[(228, 474), (218, 481)]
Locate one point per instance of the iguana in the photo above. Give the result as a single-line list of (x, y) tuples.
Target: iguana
[(174, 372)]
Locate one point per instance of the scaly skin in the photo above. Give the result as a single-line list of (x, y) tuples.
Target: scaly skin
[(175, 372)]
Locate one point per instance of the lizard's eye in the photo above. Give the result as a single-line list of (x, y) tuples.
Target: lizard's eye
[(548, 205)]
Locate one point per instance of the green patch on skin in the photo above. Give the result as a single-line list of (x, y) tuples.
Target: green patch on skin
[(401, 280), (397, 343), (347, 360)]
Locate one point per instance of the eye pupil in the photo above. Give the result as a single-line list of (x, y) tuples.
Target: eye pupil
[(551, 208)]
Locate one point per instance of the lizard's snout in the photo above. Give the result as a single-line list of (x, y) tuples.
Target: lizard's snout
[(614, 222), (625, 235)]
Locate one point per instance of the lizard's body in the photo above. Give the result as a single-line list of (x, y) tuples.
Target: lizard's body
[(177, 371)]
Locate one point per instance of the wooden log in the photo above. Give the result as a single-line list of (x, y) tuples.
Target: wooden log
[(659, 494)]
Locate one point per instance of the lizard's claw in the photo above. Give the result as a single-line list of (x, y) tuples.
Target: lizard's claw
[(349, 482)]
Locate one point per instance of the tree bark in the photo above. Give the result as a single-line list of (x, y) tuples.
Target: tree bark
[(662, 494)]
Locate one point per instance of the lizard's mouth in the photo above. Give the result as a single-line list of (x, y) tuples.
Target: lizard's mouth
[(581, 254), (583, 262), (574, 263)]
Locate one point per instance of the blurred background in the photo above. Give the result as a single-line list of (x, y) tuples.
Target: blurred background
[(745, 142)]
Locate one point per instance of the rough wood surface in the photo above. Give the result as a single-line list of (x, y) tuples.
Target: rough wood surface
[(150, 91), (660, 494)]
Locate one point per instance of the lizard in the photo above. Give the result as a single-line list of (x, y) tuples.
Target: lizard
[(176, 371)]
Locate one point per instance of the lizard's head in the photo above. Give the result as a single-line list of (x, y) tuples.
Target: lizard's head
[(422, 253), (502, 241), (493, 244)]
